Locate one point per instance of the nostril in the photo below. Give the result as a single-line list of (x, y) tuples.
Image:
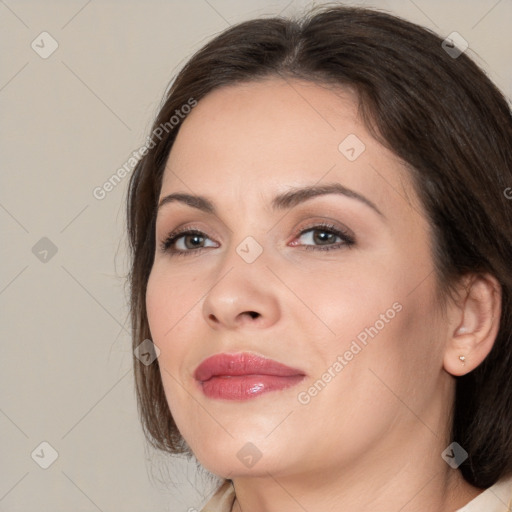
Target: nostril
[(254, 314)]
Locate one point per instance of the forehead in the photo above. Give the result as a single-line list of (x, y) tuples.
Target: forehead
[(272, 120), (260, 138)]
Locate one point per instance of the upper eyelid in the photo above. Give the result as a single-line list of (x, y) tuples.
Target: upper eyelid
[(307, 206), (309, 211), (327, 224)]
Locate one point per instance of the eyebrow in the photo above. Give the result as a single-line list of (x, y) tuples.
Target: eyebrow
[(282, 201)]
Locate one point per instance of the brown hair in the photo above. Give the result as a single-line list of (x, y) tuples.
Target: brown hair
[(440, 114)]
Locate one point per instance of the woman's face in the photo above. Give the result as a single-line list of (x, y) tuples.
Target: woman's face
[(359, 320)]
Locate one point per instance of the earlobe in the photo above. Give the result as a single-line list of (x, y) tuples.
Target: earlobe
[(477, 318)]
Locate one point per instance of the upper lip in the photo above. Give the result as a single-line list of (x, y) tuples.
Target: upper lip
[(242, 363)]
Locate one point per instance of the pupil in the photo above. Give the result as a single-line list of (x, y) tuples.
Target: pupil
[(323, 237), (196, 239)]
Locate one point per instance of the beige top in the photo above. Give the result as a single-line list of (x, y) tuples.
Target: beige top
[(497, 498)]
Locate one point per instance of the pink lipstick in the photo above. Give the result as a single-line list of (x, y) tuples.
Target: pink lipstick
[(243, 376)]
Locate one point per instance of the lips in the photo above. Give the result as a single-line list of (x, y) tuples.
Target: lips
[(243, 376), (243, 363)]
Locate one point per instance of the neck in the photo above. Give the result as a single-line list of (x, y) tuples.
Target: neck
[(408, 479)]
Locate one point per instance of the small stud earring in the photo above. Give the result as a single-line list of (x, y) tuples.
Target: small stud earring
[(462, 360)]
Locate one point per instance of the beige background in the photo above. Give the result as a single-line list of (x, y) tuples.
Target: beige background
[(68, 122)]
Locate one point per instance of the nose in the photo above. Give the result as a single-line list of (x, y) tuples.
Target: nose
[(245, 296)]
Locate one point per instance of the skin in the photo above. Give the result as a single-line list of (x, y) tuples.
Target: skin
[(372, 438)]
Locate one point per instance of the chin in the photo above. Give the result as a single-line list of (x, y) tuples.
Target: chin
[(238, 458)]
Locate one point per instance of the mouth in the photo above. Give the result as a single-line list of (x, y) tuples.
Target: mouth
[(243, 376)]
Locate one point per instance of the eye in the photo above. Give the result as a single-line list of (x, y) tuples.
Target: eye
[(319, 237), (185, 241), (324, 236)]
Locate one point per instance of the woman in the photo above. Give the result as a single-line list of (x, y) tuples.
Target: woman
[(321, 241)]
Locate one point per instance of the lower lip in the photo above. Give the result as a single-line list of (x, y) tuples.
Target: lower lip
[(245, 387)]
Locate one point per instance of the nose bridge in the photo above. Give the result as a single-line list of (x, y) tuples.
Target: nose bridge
[(249, 251), (249, 231)]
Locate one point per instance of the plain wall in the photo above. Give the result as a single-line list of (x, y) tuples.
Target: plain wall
[(68, 122)]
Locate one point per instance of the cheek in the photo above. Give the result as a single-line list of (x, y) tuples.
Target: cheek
[(351, 305), (371, 378), (385, 339), (164, 313), (166, 316), (399, 365), (170, 301)]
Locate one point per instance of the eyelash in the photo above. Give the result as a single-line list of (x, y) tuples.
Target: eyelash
[(347, 239)]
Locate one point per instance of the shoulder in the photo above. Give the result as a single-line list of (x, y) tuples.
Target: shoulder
[(497, 498), (222, 500)]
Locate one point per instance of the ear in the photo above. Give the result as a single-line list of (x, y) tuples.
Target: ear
[(474, 321)]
